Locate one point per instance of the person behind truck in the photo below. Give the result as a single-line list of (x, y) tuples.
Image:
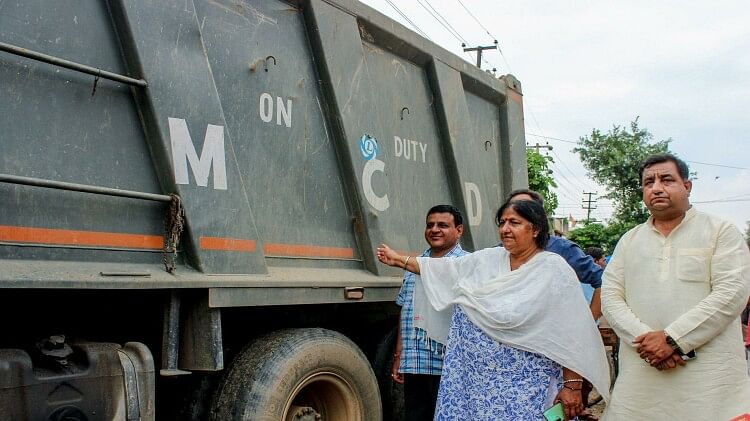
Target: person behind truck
[(521, 337), (597, 254), (673, 292), (418, 360)]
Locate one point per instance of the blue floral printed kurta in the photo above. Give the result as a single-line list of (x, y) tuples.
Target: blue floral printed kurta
[(486, 380)]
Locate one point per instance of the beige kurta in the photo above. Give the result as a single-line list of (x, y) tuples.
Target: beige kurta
[(693, 284)]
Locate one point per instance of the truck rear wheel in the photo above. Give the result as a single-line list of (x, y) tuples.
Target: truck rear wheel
[(299, 375)]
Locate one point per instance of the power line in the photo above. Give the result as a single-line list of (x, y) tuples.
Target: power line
[(475, 18), (562, 187), (452, 32), (488, 33), (723, 201), (568, 185), (565, 190), (551, 138), (735, 198), (452, 29), (692, 162), (407, 19), (569, 170), (719, 165)]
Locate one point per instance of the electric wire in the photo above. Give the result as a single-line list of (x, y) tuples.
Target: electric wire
[(451, 30), (442, 21), (723, 201), (488, 33), (414, 25), (551, 138), (718, 165), (567, 186), (692, 162), (736, 198), (571, 173)]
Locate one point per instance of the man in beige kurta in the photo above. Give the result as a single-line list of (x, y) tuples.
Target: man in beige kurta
[(677, 284)]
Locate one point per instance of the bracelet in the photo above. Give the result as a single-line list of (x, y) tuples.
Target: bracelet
[(573, 389), (406, 262), (397, 354), (573, 381)]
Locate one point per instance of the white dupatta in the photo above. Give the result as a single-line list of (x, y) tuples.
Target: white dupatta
[(538, 307)]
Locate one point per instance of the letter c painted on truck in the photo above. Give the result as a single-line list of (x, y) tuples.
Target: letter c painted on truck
[(380, 203), (183, 152)]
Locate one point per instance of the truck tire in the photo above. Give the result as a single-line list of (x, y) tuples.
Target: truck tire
[(299, 375)]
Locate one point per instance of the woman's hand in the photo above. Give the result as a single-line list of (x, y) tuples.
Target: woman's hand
[(571, 400), (389, 257)]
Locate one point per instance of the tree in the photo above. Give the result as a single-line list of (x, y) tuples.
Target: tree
[(589, 235), (615, 229), (598, 235), (612, 160), (540, 179)]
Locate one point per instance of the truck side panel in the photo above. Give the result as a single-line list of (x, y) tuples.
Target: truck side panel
[(298, 136), (67, 126), (264, 72)]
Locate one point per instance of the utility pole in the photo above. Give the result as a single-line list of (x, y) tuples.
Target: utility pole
[(589, 205), (479, 51), (538, 146)]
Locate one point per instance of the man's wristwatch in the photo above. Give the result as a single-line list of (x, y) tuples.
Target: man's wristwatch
[(671, 342)]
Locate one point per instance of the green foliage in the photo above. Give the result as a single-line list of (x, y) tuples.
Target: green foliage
[(747, 234), (589, 235), (598, 235), (616, 229), (612, 160), (540, 179)]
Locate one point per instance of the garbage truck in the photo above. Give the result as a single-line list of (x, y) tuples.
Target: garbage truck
[(192, 192)]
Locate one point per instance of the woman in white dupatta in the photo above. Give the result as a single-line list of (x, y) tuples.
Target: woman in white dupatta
[(521, 337)]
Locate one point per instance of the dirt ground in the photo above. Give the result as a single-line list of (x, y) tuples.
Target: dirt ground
[(597, 409)]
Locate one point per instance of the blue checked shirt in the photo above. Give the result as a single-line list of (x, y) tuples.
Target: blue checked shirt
[(418, 356)]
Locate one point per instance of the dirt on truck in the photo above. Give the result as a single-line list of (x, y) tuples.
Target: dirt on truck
[(191, 193)]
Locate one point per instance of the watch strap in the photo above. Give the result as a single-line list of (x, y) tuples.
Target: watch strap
[(671, 342)]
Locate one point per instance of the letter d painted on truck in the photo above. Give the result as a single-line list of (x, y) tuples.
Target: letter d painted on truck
[(183, 152), (473, 203)]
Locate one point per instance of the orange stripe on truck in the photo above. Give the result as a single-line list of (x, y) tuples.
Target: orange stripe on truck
[(79, 238), (227, 244), (301, 250)]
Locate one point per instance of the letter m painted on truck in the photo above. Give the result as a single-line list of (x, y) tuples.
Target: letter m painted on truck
[(183, 152)]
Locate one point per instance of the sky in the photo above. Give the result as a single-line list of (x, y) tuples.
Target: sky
[(681, 67)]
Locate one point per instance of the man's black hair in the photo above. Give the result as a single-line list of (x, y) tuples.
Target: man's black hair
[(595, 252), (682, 167), (532, 211), (457, 218), (534, 195)]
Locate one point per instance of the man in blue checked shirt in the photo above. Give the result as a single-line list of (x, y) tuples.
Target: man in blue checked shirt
[(418, 360)]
